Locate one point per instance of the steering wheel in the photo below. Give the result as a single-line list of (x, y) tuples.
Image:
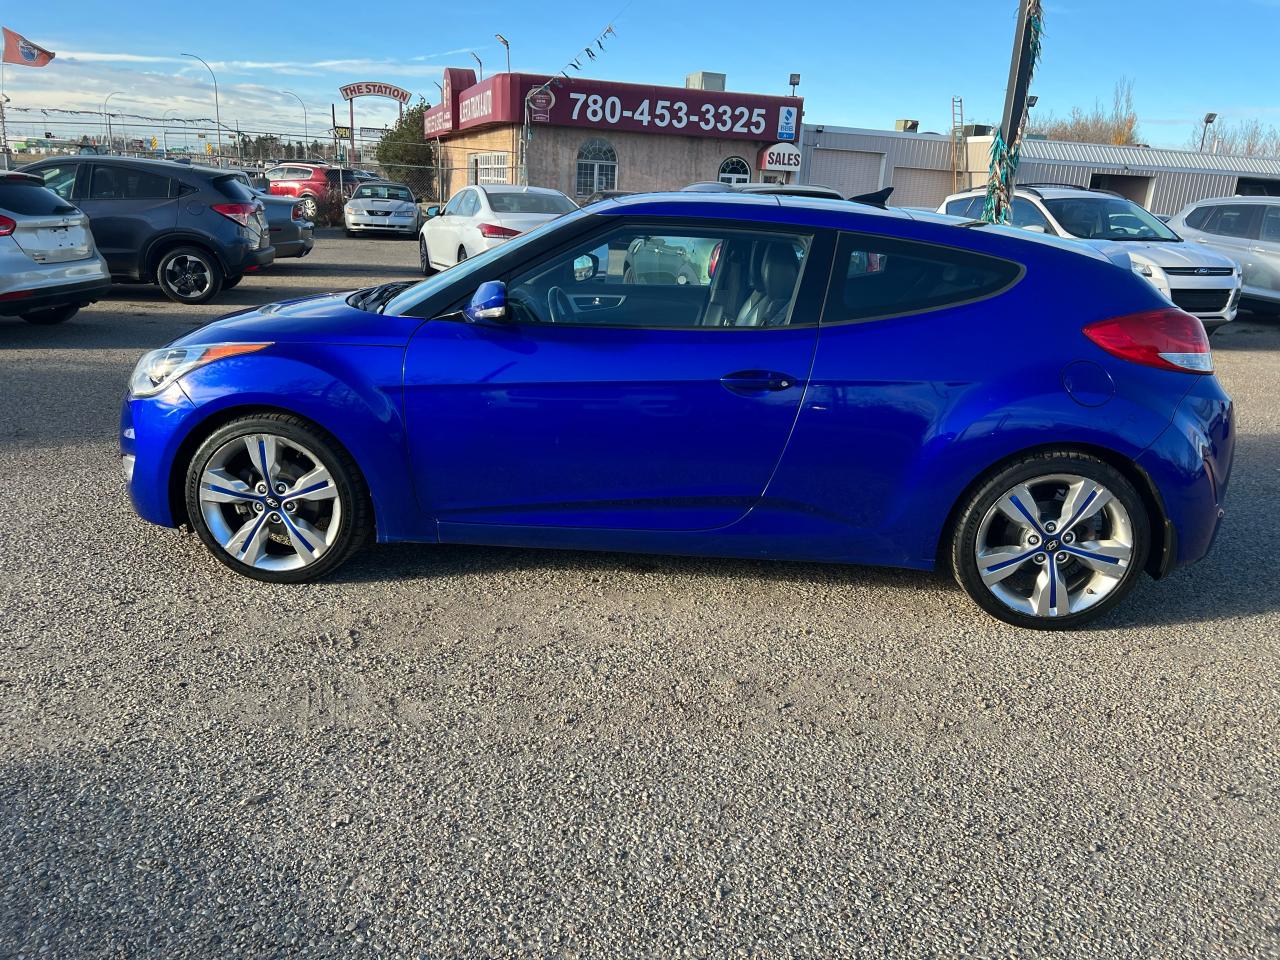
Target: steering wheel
[(559, 306)]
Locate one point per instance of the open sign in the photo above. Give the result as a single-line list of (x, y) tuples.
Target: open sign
[(780, 156)]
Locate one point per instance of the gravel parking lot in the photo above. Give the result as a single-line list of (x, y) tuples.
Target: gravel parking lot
[(460, 752)]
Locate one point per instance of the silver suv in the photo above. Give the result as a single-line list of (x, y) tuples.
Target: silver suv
[(49, 266), (1200, 281), (1246, 229)]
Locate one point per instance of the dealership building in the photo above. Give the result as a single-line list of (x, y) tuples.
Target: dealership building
[(924, 168), (589, 135)]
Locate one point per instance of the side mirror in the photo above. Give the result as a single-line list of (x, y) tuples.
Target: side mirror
[(488, 303), (433, 211), (586, 266)]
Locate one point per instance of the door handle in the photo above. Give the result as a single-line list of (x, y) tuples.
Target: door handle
[(748, 382)]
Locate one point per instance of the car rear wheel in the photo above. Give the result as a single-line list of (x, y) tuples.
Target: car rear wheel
[(1052, 541), (189, 275), (309, 207), (277, 499), (52, 315)]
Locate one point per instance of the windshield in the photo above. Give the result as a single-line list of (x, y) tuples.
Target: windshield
[(410, 298), (553, 203), (384, 192), (1108, 218)]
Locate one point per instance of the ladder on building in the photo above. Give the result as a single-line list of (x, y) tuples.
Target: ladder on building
[(959, 152)]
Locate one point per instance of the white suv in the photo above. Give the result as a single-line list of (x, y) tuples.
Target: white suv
[(1200, 281)]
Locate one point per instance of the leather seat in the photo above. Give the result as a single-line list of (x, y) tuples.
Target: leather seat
[(768, 306)]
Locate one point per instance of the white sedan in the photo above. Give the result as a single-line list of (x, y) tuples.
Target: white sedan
[(481, 217), (380, 207)]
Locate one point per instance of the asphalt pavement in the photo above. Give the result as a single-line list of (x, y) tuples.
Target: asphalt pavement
[(463, 752)]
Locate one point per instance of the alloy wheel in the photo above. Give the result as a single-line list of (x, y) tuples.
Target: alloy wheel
[(189, 277), (1054, 545), (270, 502)]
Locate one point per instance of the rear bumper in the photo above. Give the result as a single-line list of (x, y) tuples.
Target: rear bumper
[(1190, 464), (42, 298), (240, 257)]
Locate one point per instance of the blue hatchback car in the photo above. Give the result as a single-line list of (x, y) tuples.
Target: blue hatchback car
[(788, 378)]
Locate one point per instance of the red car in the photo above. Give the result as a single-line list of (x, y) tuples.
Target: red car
[(310, 181)]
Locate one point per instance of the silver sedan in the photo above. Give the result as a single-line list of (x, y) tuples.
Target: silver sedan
[(381, 207)]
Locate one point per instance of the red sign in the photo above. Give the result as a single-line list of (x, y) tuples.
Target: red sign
[(619, 106), (439, 120), (368, 89)]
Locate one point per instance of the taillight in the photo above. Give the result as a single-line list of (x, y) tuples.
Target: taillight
[(7, 225), (1168, 339), (495, 232), (296, 212), (239, 212), (714, 260)]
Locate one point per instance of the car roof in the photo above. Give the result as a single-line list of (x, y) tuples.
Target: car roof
[(1045, 191), (167, 167), (513, 188), (1217, 201)]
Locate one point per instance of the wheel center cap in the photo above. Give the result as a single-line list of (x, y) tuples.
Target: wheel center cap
[(1051, 546), (272, 503)]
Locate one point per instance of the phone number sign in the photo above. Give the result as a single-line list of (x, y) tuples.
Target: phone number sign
[(626, 106)]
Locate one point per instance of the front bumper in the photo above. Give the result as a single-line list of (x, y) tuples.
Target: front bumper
[(382, 224), (1213, 304), (1190, 465), (151, 429)]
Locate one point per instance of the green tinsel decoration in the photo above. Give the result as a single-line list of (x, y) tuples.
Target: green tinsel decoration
[(1005, 157)]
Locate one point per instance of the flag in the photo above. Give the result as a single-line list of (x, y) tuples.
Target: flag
[(18, 49)]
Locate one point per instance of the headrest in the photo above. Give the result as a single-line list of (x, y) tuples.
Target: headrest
[(779, 270)]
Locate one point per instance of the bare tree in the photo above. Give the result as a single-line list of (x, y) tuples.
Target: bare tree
[(1249, 138), (1117, 125)]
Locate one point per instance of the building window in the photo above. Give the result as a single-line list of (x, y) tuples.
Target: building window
[(597, 168), (735, 170), (489, 168)]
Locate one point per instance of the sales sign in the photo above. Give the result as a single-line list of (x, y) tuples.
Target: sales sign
[(781, 156)]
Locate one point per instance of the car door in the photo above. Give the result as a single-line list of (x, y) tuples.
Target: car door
[(1232, 229), (604, 405), (1266, 255), (60, 177), (442, 237), (126, 206)]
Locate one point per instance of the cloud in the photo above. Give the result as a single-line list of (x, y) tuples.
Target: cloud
[(414, 68)]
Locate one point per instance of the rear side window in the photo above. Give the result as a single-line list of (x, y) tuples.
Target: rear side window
[(123, 183), (30, 199), (61, 179), (877, 277), (970, 207), (1197, 217), (1271, 225), (1234, 220)]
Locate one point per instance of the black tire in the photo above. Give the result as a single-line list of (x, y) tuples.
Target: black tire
[(964, 561), (356, 520), (424, 259), (189, 275), (230, 282), (52, 315)]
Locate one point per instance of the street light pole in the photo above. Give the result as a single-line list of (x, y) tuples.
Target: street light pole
[(106, 117), (306, 137), (507, 46), (217, 110), (1209, 118), (480, 64)]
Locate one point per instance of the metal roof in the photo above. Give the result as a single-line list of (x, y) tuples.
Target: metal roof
[(1147, 158)]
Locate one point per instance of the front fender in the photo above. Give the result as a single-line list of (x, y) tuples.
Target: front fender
[(354, 392)]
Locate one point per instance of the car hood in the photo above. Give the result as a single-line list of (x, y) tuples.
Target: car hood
[(1164, 254), (327, 318)]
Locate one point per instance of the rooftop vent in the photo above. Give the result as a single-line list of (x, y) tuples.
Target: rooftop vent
[(906, 126), (703, 80)]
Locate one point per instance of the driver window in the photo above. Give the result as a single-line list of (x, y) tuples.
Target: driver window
[(1026, 214), (637, 277), (61, 180), (451, 208)]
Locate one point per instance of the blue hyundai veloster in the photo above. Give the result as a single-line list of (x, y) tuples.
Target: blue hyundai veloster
[(773, 377)]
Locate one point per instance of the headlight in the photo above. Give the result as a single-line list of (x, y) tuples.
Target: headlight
[(160, 368), (349, 209), (1151, 271)]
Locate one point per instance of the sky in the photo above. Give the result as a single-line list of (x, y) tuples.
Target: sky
[(862, 64)]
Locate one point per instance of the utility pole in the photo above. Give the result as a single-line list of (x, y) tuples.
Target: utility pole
[(1007, 144)]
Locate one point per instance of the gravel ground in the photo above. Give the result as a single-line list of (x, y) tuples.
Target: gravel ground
[(450, 752)]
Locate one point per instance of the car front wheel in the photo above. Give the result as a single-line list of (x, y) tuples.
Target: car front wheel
[(1051, 541), (189, 275), (277, 499), (424, 259)]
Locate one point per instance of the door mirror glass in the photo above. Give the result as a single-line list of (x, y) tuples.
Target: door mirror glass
[(585, 267), (488, 303), (433, 211)]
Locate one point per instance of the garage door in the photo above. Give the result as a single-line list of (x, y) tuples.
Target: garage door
[(917, 187), (850, 171)]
